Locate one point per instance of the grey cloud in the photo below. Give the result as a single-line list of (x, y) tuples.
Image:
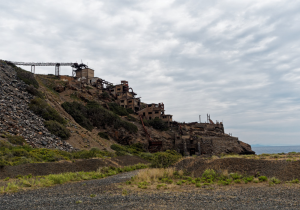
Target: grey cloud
[(234, 59)]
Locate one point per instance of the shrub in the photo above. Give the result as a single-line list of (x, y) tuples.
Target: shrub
[(262, 178), (18, 140), (57, 129), (33, 91), (41, 108), (95, 115), (274, 180), (158, 124), (165, 159), (103, 135), (79, 114), (117, 109), (25, 76), (130, 111), (294, 181), (209, 175), (130, 118), (236, 176), (104, 95)]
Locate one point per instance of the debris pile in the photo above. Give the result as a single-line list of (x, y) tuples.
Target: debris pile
[(17, 119)]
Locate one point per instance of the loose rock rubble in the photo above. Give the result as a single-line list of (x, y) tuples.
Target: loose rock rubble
[(17, 119)]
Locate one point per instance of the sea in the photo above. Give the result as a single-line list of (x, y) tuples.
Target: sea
[(275, 149)]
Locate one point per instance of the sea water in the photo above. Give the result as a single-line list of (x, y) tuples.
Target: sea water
[(275, 149)]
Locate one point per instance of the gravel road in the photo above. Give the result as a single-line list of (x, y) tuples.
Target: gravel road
[(109, 196)]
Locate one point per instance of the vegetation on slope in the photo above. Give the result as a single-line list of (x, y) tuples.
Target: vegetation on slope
[(25, 76), (11, 155), (158, 159), (94, 115)]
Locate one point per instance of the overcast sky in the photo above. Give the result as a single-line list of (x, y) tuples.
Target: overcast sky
[(237, 60)]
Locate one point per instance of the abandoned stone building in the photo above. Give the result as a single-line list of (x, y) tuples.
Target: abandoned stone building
[(123, 94), (155, 111), (85, 75)]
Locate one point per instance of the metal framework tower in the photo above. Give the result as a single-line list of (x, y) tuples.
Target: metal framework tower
[(57, 69), (33, 69)]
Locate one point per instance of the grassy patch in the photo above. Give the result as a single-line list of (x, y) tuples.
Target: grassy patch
[(157, 178), (10, 155), (54, 179)]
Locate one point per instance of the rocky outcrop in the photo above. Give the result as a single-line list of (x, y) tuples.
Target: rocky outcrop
[(17, 119)]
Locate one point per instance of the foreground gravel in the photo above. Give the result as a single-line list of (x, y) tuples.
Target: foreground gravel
[(109, 196)]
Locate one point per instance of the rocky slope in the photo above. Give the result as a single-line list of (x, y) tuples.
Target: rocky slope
[(17, 119)]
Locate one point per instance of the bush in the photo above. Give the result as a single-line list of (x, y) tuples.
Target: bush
[(95, 115), (104, 95), (130, 118), (262, 178), (158, 124), (103, 135), (18, 140), (33, 91), (79, 113), (165, 159), (57, 129), (274, 180), (117, 109), (41, 108), (25, 76)]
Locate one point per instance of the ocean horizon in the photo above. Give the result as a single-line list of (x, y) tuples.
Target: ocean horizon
[(274, 149)]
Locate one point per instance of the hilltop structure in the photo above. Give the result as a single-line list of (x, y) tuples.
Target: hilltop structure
[(195, 138)]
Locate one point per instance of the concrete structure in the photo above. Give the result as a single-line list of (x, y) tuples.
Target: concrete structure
[(85, 75), (155, 111), (125, 96)]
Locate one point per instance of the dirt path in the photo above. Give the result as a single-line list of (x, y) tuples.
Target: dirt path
[(108, 195)]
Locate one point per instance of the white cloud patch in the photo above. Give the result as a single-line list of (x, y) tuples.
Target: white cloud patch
[(237, 60)]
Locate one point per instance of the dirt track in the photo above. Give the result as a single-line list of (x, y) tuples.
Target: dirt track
[(108, 195)]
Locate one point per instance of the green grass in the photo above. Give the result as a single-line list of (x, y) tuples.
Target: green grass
[(17, 155), (55, 179)]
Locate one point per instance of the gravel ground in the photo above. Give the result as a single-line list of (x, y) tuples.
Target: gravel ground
[(109, 196)]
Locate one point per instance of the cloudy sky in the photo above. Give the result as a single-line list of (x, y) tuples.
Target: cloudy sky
[(237, 60)]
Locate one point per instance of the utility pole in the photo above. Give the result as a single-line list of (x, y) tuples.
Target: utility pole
[(199, 118)]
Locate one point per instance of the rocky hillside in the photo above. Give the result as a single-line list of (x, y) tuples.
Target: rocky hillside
[(75, 117), (17, 119)]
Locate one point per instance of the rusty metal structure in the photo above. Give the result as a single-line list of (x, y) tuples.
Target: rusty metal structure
[(75, 66)]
